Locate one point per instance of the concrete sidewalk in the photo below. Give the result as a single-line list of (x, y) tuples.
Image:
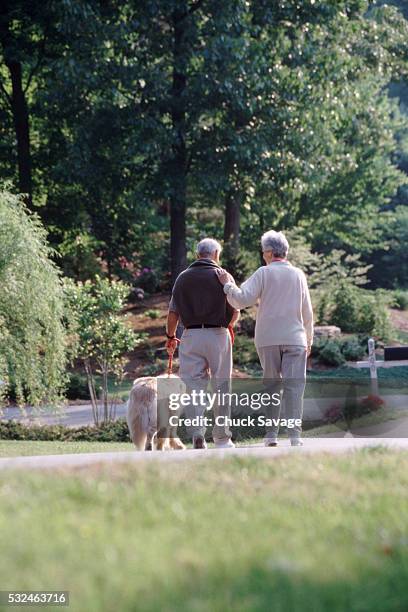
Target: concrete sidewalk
[(315, 445)]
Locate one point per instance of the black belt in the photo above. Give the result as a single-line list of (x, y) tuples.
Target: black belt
[(204, 326)]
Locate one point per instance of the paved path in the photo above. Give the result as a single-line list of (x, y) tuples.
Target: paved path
[(331, 445), (75, 416)]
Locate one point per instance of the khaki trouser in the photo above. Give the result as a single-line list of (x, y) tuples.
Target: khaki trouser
[(284, 368), (206, 354)]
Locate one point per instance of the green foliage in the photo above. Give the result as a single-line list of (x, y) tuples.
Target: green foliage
[(32, 335), (247, 323), (114, 431), (331, 354), (152, 313), (240, 265), (353, 350), (282, 103), (102, 336), (245, 354), (147, 279), (400, 299), (78, 251), (335, 351), (77, 387), (390, 257), (357, 310)]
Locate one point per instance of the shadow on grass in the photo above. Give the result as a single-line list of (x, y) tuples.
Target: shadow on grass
[(279, 586)]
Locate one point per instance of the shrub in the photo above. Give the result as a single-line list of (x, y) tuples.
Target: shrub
[(352, 350), (32, 334), (79, 255), (357, 310), (331, 354), (77, 387), (318, 346), (102, 334), (245, 352), (371, 403), (353, 408), (148, 280), (247, 323), (114, 431), (345, 313), (400, 299)]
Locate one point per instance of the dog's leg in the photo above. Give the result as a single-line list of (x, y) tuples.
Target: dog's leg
[(162, 439), (149, 443), (174, 440), (176, 444)]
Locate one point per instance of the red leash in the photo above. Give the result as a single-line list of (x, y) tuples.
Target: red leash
[(170, 361)]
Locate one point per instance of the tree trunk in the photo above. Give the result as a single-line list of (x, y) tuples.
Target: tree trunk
[(232, 222), (178, 168), (22, 130), (19, 109)]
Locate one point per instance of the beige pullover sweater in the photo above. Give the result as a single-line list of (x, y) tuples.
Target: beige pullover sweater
[(285, 314)]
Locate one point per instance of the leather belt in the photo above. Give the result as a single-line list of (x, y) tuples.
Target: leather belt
[(204, 326)]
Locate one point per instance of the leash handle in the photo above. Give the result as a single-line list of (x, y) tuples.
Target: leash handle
[(170, 360)]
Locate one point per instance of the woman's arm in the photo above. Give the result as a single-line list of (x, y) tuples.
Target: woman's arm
[(307, 314), (247, 294)]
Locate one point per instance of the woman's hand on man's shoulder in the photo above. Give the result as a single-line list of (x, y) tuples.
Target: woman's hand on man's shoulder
[(224, 277)]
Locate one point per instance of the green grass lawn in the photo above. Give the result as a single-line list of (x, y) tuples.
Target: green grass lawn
[(296, 533), (15, 448)]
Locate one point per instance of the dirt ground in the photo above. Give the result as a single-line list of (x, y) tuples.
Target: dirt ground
[(399, 319), (155, 328)]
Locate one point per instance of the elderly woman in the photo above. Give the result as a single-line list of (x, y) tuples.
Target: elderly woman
[(284, 325)]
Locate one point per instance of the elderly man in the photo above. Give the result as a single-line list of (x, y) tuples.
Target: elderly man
[(284, 326), (206, 347)]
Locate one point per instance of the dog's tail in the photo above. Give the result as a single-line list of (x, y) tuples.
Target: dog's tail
[(142, 411)]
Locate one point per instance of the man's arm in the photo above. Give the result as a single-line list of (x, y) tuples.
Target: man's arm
[(172, 322), (171, 327), (235, 317)]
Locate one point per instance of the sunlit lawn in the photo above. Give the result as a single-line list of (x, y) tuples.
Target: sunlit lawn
[(14, 448), (296, 533)]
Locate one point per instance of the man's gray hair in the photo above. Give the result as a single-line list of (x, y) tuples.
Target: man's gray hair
[(275, 242), (207, 247)]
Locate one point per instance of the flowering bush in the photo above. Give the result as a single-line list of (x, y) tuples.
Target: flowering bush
[(147, 279), (372, 402), (353, 410), (333, 414)]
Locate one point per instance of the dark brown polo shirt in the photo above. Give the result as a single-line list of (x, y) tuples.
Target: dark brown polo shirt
[(198, 296)]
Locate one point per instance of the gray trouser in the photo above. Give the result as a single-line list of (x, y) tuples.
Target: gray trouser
[(284, 368), (206, 354)]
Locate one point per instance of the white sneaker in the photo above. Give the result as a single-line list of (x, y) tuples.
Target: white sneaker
[(224, 444), (296, 442)]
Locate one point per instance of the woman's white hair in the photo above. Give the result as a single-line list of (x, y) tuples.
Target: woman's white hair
[(276, 243), (207, 247)]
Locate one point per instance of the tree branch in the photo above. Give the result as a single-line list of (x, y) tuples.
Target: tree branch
[(195, 6), (6, 94), (41, 53)]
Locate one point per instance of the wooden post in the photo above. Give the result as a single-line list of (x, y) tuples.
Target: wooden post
[(373, 366)]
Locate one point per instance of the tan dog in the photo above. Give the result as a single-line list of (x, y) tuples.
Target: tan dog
[(142, 414)]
